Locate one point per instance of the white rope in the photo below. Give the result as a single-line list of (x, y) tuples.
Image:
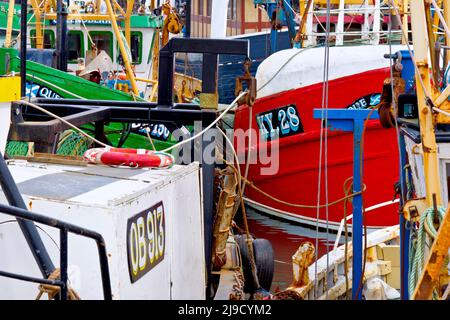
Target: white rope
[(230, 106), (441, 111), (349, 217), (394, 103), (323, 142), (63, 120), (441, 17)]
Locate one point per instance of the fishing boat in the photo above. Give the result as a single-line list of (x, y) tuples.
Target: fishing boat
[(94, 53), (290, 85), (407, 261), (130, 218)]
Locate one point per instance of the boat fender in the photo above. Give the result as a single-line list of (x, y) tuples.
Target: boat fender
[(135, 158), (264, 260)]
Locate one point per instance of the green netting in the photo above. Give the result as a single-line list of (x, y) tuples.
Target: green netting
[(73, 143), (17, 148)]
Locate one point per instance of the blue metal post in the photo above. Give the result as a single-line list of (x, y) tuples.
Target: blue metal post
[(404, 231), (352, 121), (273, 40), (357, 230)]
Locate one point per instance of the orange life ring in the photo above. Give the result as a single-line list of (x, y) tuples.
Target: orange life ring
[(129, 157)]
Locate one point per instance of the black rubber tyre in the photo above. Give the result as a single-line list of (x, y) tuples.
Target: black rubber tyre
[(265, 263), (264, 260)]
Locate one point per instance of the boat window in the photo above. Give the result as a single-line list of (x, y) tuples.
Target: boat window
[(76, 45), (103, 41), (136, 47), (49, 39)]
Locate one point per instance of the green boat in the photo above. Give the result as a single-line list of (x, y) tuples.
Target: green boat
[(84, 35)]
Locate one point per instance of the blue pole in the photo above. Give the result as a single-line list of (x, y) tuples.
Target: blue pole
[(357, 233), (353, 121), (273, 41), (404, 232)]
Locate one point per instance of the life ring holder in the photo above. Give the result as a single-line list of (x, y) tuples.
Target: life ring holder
[(128, 157)]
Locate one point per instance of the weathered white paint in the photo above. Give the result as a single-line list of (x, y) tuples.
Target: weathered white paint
[(5, 116), (219, 13), (415, 158), (295, 68), (106, 209)]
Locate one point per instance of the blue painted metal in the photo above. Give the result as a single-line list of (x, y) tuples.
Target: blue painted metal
[(404, 231), (352, 121), (407, 71), (285, 18)]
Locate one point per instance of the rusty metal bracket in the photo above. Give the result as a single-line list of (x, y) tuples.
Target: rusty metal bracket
[(248, 99)]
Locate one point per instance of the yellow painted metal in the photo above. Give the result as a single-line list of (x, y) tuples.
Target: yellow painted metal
[(98, 3), (9, 24), (442, 97), (439, 250), (81, 16), (9, 89), (118, 7), (421, 50), (38, 24), (209, 101), (303, 13), (155, 55), (146, 80), (130, 5), (405, 19), (436, 21), (123, 52), (447, 21)]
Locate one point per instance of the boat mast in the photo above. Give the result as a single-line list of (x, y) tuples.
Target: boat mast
[(61, 36), (424, 92), (123, 52), (188, 19), (429, 99), (23, 46), (219, 19), (9, 24), (39, 31)]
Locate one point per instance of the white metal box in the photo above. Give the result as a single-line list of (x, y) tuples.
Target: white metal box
[(151, 220)]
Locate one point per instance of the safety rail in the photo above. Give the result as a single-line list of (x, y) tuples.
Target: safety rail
[(64, 228)]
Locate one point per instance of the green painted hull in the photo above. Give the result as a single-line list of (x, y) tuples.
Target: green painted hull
[(57, 84)]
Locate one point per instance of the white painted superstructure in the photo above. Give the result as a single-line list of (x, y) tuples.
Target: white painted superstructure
[(109, 201)]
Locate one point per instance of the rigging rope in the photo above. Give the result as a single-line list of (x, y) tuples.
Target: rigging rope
[(417, 253)]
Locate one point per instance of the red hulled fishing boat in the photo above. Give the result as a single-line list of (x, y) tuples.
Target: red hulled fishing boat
[(290, 87)]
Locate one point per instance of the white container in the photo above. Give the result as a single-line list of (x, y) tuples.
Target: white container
[(109, 201), (5, 121)]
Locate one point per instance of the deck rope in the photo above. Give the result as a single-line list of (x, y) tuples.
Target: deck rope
[(417, 251)]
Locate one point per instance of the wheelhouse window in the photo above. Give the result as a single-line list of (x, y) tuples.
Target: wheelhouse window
[(103, 40), (76, 46), (49, 39), (136, 47)]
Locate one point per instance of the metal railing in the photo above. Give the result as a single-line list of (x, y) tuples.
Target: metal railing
[(64, 228)]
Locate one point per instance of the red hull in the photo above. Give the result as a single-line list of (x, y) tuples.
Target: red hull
[(296, 179)]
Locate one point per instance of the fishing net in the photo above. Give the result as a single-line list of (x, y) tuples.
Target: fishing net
[(73, 143), (19, 148)]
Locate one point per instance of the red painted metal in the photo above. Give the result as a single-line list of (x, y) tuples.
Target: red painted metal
[(297, 178)]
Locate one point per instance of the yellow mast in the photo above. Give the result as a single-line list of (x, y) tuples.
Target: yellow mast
[(439, 250), (429, 147), (123, 52), (9, 24), (128, 13), (39, 31), (446, 5)]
